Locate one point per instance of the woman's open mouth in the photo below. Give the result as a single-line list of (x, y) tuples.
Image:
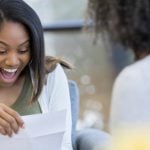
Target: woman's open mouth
[(8, 75)]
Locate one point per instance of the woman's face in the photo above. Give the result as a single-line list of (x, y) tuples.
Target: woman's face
[(14, 52)]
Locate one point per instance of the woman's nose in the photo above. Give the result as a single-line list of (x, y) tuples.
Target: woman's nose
[(12, 60)]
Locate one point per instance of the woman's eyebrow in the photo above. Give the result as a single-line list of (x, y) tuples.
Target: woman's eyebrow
[(25, 42), (3, 43)]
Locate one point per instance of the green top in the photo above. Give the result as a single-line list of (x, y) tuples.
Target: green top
[(21, 105)]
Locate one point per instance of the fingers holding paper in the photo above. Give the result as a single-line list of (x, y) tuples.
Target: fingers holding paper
[(10, 120)]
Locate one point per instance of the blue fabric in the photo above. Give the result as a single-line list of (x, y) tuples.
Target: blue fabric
[(92, 139), (86, 139), (74, 96)]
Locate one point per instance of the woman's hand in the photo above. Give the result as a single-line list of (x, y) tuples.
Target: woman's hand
[(10, 120)]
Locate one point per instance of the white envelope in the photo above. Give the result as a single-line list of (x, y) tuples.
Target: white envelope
[(42, 132)]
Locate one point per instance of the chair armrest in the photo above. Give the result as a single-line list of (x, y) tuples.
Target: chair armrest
[(91, 139)]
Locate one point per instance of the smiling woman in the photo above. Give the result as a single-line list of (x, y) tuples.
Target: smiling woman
[(32, 89), (14, 53)]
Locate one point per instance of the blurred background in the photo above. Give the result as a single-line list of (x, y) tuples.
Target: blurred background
[(95, 65)]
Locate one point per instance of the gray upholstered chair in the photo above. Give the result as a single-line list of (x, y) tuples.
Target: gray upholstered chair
[(85, 139)]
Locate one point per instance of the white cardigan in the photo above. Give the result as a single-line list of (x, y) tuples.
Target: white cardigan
[(54, 97), (131, 96)]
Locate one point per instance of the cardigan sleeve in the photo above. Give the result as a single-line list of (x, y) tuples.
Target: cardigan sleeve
[(128, 104), (57, 90)]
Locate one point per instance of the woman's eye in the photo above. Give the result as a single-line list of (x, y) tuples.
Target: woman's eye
[(24, 50), (2, 51)]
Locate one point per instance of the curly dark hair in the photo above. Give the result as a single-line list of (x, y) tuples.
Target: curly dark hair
[(126, 21)]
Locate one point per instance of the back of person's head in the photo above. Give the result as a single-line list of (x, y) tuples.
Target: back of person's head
[(20, 12), (126, 21)]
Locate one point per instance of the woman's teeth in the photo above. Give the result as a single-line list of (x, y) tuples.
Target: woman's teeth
[(10, 70)]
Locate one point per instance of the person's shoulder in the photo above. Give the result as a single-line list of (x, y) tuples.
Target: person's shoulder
[(135, 70), (53, 78), (126, 82), (129, 74), (58, 71)]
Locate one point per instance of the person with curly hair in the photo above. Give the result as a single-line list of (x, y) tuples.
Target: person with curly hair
[(127, 22)]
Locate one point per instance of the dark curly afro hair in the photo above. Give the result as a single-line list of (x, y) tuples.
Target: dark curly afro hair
[(126, 21)]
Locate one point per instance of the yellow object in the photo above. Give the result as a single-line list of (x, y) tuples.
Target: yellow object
[(131, 139)]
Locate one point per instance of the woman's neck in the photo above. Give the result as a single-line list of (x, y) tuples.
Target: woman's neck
[(9, 95)]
